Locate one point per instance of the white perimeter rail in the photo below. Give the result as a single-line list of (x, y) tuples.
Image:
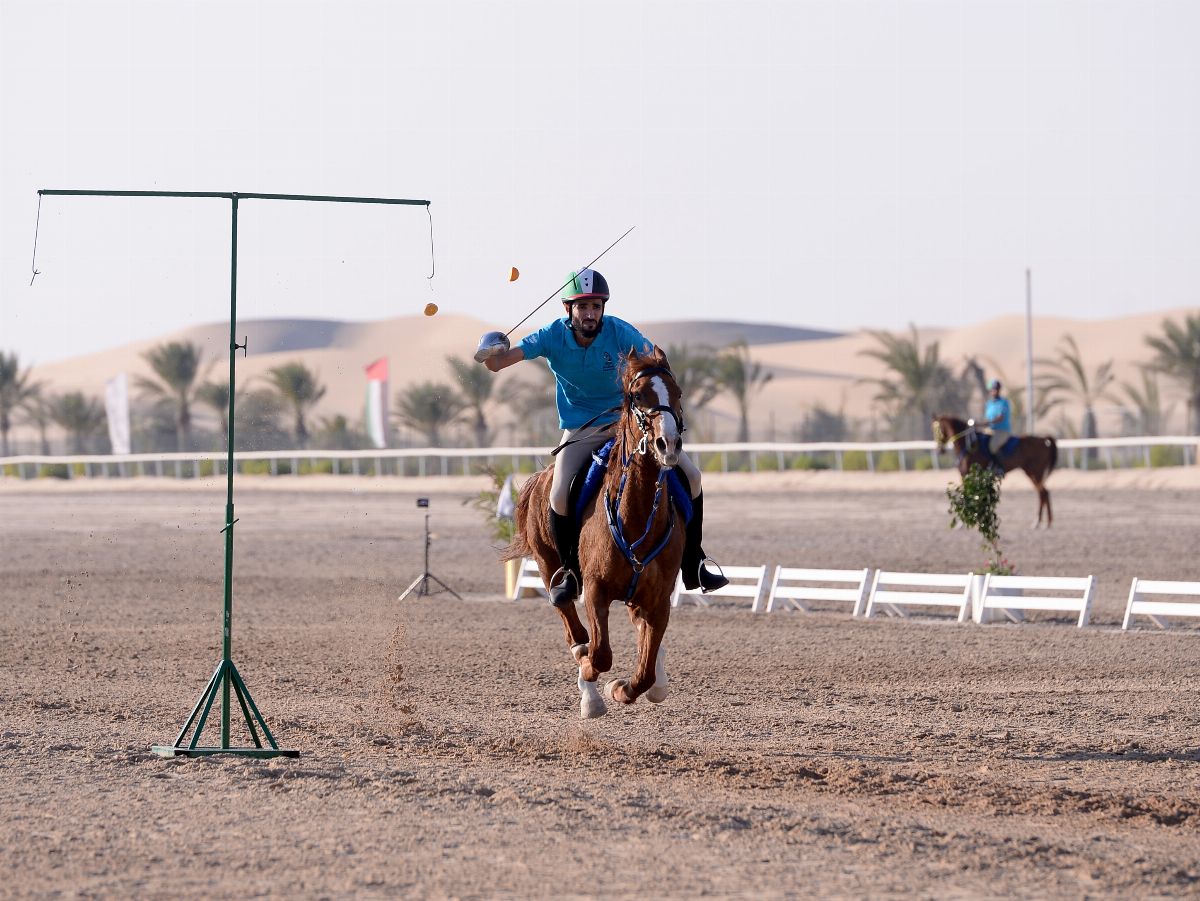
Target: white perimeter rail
[(424, 461), (744, 582), (1075, 595), (895, 591), (785, 587), (1159, 610)]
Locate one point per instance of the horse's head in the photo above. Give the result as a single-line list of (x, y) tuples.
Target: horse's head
[(950, 430), (653, 400)]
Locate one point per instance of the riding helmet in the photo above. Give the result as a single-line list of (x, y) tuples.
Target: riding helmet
[(993, 384), (586, 284)]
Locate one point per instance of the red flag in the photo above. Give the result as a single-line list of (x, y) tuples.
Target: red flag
[(378, 371)]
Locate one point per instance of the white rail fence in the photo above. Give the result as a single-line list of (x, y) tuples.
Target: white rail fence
[(888, 456)]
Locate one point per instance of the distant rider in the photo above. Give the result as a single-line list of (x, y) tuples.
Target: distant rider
[(584, 350), (997, 416)]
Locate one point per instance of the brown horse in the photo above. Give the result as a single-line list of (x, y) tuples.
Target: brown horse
[(634, 509), (1036, 455)]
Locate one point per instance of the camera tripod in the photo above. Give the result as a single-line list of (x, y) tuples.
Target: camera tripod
[(421, 583)]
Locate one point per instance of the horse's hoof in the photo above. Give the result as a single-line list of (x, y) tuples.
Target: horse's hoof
[(657, 694), (591, 705), (611, 689)]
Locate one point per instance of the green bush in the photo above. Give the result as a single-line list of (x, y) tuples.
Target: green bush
[(53, 471), (767, 462), (922, 463), (810, 462), (1166, 455), (887, 461), (207, 468), (11, 470), (712, 463), (317, 467), (854, 461), (256, 467)]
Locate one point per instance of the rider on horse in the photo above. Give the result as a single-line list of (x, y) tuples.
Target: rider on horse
[(997, 416), (584, 350)]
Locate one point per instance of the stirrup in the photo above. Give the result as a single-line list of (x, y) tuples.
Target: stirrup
[(564, 587), (711, 581)]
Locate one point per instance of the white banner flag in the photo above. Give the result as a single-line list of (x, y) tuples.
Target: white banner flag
[(377, 409), (116, 407)]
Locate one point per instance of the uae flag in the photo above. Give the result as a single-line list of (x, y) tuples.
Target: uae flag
[(377, 412)]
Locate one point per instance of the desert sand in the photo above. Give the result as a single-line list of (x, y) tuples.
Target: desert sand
[(442, 755), (808, 368)]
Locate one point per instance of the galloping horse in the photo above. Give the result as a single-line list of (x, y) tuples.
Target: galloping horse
[(1036, 455), (638, 567)]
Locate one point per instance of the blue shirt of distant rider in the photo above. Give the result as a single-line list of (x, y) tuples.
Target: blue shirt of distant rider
[(998, 412), (588, 378)]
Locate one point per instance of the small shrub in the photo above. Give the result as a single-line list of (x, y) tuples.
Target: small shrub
[(854, 461), (767, 462), (53, 471), (888, 461), (1166, 455), (923, 463), (207, 468), (809, 462)]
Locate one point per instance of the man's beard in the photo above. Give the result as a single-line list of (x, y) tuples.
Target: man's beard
[(588, 330)]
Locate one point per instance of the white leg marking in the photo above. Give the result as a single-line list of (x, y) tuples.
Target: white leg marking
[(658, 692), (591, 705)]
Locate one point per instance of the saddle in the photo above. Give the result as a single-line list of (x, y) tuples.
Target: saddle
[(586, 483), (1009, 446)]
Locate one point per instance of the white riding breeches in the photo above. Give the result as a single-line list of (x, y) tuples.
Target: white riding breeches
[(571, 458)]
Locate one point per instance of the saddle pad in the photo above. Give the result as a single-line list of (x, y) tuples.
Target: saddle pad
[(593, 478)]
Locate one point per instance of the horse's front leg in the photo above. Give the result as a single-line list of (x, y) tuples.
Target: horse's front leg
[(599, 655), (591, 705), (651, 627)]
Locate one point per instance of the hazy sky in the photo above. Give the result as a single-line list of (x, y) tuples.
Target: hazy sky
[(831, 164)]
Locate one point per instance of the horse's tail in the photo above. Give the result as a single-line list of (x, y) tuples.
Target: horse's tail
[(1053, 445), (519, 547)]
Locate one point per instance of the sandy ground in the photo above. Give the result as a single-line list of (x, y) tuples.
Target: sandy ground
[(441, 750)]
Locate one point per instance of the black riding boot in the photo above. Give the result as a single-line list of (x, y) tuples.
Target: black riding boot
[(694, 574), (564, 585)]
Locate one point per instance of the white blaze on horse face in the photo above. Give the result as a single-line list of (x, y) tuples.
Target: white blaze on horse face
[(666, 426)]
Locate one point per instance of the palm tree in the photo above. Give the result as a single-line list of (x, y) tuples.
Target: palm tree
[(743, 378), (177, 366), (475, 386), (1146, 414), (1177, 356), (80, 417), (299, 389), (920, 384), (532, 403), (16, 390), (215, 395), (427, 407), (336, 433), (695, 373), (37, 413), (1069, 380)]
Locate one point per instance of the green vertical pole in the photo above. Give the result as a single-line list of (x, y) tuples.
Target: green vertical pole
[(227, 655)]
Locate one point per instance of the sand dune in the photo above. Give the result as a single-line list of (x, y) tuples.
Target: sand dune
[(810, 367)]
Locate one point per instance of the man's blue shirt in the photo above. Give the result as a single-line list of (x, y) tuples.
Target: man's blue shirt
[(998, 406), (588, 378)]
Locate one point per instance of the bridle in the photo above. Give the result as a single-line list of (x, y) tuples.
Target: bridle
[(642, 415), (633, 550)]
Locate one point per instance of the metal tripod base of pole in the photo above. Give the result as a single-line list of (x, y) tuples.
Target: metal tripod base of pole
[(225, 680), (421, 586)]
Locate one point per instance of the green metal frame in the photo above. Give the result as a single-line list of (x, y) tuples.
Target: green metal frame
[(225, 679)]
